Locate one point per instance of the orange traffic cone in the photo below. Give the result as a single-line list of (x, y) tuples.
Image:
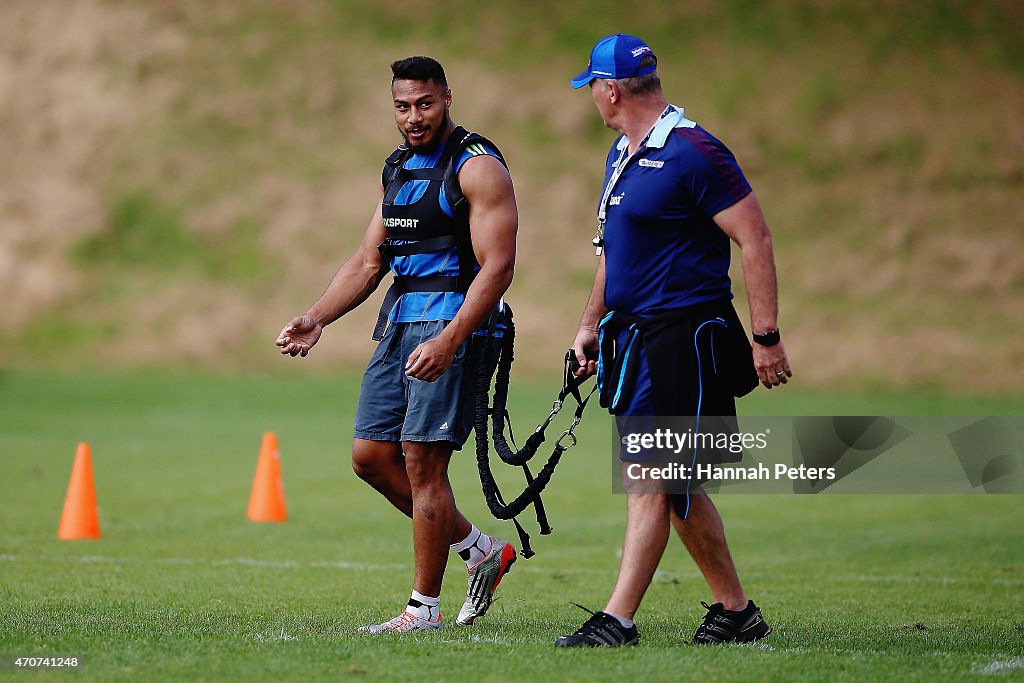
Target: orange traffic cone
[(266, 503), (80, 520)]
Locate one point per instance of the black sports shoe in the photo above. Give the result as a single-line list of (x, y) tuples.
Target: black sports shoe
[(726, 626), (600, 630)]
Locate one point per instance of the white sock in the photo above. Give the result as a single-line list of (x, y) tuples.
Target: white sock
[(424, 606), (623, 621), (474, 547)]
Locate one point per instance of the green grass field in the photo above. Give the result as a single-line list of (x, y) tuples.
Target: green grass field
[(182, 586)]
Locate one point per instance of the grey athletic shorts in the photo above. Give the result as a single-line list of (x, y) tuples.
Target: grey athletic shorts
[(395, 407)]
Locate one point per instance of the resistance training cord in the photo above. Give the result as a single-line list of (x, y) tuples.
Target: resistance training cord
[(494, 351)]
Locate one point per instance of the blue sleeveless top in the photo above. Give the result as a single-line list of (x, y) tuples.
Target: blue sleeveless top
[(423, 306)]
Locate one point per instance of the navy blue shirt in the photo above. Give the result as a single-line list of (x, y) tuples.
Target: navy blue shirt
[(662, 249)]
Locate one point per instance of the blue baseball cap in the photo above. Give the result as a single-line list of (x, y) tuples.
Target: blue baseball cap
[(616, 56)]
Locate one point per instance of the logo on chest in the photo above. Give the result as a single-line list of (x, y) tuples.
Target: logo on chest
[(650, 163), (616, 199), (401, 222)]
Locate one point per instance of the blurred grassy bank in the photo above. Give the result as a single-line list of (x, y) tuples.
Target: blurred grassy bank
[(190, 175)]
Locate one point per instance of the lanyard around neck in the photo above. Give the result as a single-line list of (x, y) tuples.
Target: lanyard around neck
[(620, 165)]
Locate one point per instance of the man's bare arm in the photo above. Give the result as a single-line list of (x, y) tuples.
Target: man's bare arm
[(493, 223), (744, 223), (586, 337)]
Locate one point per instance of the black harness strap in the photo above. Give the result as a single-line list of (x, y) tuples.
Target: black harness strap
[(395, 174), (388, 250), (454, 230), (401, 285), (485, 359)]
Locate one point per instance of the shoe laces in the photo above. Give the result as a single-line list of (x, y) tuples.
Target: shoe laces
[(715, 614), (715, 611), (590, 625), (402, 620), (585, 609)]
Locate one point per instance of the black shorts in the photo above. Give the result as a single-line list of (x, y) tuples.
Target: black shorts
[(684, 368)]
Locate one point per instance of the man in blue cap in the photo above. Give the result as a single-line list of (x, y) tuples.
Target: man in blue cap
[(661, 311)]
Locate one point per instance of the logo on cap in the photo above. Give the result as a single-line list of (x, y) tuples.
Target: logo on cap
[(617, 56)]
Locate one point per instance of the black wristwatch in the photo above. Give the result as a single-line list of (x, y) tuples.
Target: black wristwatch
[(769, 338)]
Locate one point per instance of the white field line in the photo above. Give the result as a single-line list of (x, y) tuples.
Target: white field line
[(266, 636), (999, 667), (270, 564), (492, 640), (942, 580), (995, 667), (192, 561), (545, 569)]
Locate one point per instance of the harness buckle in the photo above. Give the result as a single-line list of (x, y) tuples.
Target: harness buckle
[(555, 407)]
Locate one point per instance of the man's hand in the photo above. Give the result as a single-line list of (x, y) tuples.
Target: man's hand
[(586, 340), (431, 359), (772, 365), (299, 336)]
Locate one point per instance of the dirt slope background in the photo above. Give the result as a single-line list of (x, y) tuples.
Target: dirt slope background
[(178, 178)]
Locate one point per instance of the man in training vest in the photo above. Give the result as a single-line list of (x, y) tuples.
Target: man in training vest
[(446, 228), (661, 312)]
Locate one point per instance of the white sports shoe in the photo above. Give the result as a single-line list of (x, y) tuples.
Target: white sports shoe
[(405, 622), (484, 578)]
